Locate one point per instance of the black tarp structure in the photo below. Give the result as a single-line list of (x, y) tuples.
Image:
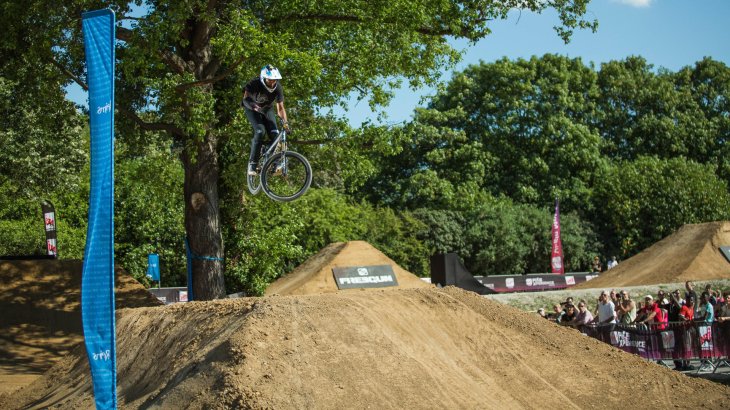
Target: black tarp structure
[(448, 270)]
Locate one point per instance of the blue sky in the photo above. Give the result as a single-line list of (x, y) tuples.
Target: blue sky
[(667, 33)]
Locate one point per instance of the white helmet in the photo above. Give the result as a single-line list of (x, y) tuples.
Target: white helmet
[(269, 73)]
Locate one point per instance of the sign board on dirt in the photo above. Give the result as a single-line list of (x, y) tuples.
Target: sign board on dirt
[(725, 251), (378, 276)]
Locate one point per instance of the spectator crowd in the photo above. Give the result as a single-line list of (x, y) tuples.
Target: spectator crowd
[(614, 307)]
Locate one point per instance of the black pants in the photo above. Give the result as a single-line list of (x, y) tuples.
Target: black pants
[(263, 124)]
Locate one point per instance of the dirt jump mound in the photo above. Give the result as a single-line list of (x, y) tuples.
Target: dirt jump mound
[(40, 314), (691, 253), (315, 276), (414, 348)]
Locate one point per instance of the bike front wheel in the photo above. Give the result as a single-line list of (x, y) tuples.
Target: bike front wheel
[(286, 176)]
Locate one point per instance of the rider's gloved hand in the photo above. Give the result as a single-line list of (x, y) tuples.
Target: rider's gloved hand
[(286, 126), (255, 107)]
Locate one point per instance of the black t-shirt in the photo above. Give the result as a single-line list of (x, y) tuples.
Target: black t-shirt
[(262, 96)]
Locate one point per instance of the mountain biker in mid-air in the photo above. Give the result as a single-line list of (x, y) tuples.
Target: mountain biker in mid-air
[(259, 97)]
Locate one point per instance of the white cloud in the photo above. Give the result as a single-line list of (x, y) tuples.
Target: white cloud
[(635, 3)]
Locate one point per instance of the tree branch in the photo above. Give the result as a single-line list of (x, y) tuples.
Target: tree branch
[(149, 126), (170, 59), (71, 75), (229, 71), (463, 31)]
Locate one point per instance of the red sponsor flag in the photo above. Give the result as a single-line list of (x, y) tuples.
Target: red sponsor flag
[(556, 257)]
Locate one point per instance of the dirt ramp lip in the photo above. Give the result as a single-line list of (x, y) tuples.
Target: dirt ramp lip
[(314, 276), (413, 348), (690, 253)]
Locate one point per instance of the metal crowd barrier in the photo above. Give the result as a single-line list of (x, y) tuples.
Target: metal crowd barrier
[(709, 343)]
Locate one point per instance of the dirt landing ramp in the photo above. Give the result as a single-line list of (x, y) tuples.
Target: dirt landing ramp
[(315, 276), (691, 253), (40, 314), (413, 348)]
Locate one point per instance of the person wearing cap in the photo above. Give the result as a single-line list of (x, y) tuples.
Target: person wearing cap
[(650, 313)]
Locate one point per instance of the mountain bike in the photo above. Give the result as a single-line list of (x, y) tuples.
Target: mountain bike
[(284, 175)]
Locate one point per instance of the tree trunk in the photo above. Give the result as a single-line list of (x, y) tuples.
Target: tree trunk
[(202, 219)]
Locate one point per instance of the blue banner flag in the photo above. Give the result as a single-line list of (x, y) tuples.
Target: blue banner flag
[(97, 280), (153, 266)]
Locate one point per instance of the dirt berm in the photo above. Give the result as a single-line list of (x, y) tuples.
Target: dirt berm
[(414, 348), (40, 314), (690, 253)]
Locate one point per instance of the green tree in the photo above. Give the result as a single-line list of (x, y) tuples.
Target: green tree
[(266, 239), (183, 63), (640, 202), (521, 128)]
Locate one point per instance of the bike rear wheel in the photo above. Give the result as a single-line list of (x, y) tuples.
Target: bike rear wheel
[(286, 176)]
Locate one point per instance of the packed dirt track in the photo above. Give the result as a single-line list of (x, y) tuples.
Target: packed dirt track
[(40, 314), (308, 345), (412, 348), (690, 253)]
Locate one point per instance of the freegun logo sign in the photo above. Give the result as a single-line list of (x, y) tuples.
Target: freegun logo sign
[(365, 277)]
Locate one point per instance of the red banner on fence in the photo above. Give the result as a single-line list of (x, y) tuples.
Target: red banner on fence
[(556, 260)]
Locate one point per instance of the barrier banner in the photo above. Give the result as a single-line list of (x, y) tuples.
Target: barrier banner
[(533, 282), (49, 220), (97, 281), (556, 259), (679, 341)]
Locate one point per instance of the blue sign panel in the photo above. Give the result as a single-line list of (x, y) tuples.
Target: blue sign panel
[(153, 266), (97, 281)]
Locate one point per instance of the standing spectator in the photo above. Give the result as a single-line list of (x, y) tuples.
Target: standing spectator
[(713, 298), (614, 297), (723, 314), (569, 315), (612, 263), (583, 317), (686, 313), (626, 310), (674, 308), (597, 267), (688, 310), (662, 300), (677, 294), (706, 312), (651, 314), (705, 315), (606, 310), (557, 314), (690, 292)]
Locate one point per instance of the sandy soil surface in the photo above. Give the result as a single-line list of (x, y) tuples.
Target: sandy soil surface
[(314, 276), (41, 315), (691, 253), (402, 348)]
